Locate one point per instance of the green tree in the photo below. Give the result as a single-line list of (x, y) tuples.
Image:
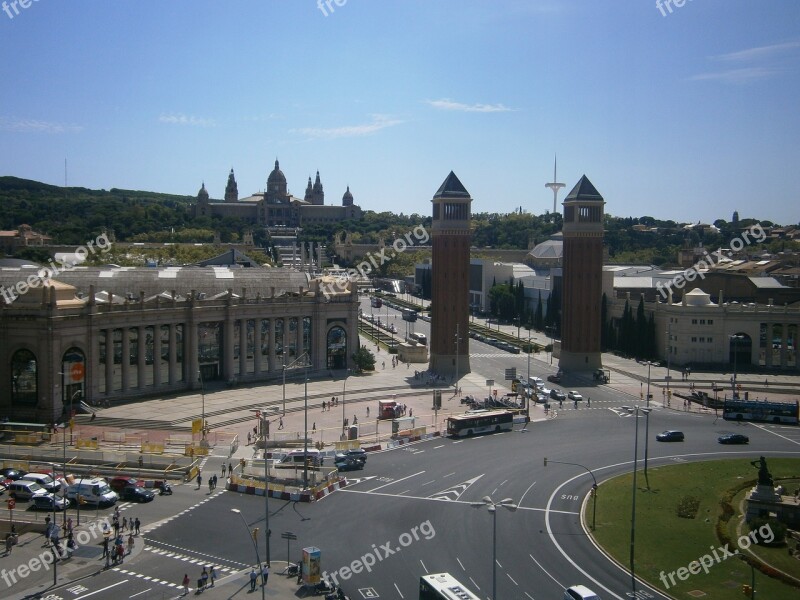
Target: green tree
[(363, 359)]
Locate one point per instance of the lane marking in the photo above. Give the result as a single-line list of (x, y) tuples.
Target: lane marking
[(140, 593), (525, 493), (776, 434), (398, 591), (113, 585), (395, 481)]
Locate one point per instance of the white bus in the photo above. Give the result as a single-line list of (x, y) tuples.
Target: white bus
[(419, 338), (492, 421), (443, 586)]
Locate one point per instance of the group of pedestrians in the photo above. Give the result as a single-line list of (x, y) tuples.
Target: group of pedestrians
[(328, 405), (254, 577), (205, 581), (212, 483)]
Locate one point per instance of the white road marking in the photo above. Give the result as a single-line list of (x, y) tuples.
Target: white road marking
[(512, 579), (460, 565), (762, 428), (113, 585), (424, 568), (477, 587), (396, 481), (526, 491), (398, 591), (437, 447), (140, 593)]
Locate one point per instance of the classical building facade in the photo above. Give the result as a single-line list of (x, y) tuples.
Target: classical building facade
[(276, 207), (582, 278), (451, 236), (99, 334)]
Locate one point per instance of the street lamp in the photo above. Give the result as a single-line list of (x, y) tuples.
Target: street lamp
[(458, 339), (508, 504), (203, 441), (528, 382), (255, 545), (635, 410), (344, 391), (594, 486), (735, 339)]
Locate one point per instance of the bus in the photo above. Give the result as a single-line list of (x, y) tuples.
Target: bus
[(376, 302), (492, 421), (418, 337), (409, 315), (761, 410), (443, 586)]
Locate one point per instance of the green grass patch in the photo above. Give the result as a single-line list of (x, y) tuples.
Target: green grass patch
[(676, 521)]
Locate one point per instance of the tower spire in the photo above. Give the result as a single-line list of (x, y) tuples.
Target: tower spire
[(554, 185)]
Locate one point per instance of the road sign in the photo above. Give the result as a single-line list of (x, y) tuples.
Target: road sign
[(197, 425), (11, 503), (511, 374), (489, 382)]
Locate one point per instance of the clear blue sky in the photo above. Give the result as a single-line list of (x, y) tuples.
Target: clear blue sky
[(687, 115)]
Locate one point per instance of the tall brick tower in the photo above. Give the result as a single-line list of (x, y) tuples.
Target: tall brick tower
[(582, 278), (451, 235)]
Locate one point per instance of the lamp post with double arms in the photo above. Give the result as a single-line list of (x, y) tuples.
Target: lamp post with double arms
[(735, 339), (508, 504), (594, 485), (635, 411)]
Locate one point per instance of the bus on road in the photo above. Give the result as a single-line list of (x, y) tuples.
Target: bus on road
[(409, 315), (443, 586), (761, 410), (492, 421)]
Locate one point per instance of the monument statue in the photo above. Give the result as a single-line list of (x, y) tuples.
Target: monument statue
[(764, 477)]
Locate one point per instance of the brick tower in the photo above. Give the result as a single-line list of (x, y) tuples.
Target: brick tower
[(582, 278), (451, 236)]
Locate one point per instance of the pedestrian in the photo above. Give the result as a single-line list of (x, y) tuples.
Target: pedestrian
[(131, 542), (138, 525), (280, 422), (199, 480), (223, 469), (323, 406), (185, 583), (588, 401), (253, 579), (314, 427), (411, 412), (204, 578), (9, 543), (368, 412), (124, 524), (210, 484), (69, 525), (120, 553), (264, 575), (212, 575), (215, 482), (116, 526), (105, 548), (230, 469), (248, 438)]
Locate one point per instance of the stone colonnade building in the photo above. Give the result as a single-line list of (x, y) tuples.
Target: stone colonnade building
[(99, 334)]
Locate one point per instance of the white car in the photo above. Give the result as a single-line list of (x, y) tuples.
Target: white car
[(545, 391), (573, 395)]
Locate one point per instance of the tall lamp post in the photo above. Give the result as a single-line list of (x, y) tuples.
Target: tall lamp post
[(635, 410), (594, 485), (254, 534), (508, 504), (344, 391), (735, 339), (203, 441), (457, 339)]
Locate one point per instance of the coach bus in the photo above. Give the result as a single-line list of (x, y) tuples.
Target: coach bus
[(492, 421), (376, 302), (443, 586), (409, 315), (761, 410)]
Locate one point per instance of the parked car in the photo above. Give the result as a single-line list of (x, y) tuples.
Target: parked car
[(49, 502), (10, 474), (134, 493), (44, 480), (573, 395), (23, 489), (120, 483), (670, 436), (733, 438)]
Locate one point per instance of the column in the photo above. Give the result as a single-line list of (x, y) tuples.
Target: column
[(126, 359), (173, 355), (273, 358), (141, 365), (109, 361), (227, 348), (784, 345), (768, 353), (156, 356), (257, 346), (242, 347)]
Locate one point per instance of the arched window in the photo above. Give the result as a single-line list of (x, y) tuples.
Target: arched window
[(73, 376), (24, 378), (337, 348)]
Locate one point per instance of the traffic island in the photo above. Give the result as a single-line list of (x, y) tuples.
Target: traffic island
[(691, 539)]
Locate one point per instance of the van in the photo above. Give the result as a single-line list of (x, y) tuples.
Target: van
[(93, 491), (25, 489), (44, 480), (295, 457), (580, 592)]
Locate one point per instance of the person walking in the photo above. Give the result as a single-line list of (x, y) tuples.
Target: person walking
[(280, 422), (9, 543), (368, 412), (210, 484), (204, 579), (212, 575), (248, 438), (230, 469), (223, 469), (131, 543), (264, 575), (138, 525), (105, 549), (124, 524), (185, 583), (199, 480), (253, 579)]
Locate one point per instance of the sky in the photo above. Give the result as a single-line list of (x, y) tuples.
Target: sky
[(684, 112)]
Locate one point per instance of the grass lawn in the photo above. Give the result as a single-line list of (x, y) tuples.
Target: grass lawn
[(666, 542)]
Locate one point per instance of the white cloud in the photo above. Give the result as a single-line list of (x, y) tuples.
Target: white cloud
[(378, 122), (737, 75), (751, 54), (447, 104), (181, 119), (37, 126)]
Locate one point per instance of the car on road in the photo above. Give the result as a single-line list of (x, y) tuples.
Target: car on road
[(555, 378), (356, 453), (670, 435), (573, 395), (46, 481), (343, 462), (134, 493), (580, 592), (120, 483), (733, 438), (557, 394), (49, 502), (10, 474)]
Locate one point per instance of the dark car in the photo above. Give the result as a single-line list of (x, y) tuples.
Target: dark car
[(134, 493), (555, 378), (670, 436), (348, 463), (356, 453), (12, 473), (120, 483), (557, 394), (49, 502), (733, 438)]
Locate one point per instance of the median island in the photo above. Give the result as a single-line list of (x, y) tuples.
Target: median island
[(691, 539)]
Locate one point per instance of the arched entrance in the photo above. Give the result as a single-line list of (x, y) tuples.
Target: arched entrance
[(740, 350), (336, 348)]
